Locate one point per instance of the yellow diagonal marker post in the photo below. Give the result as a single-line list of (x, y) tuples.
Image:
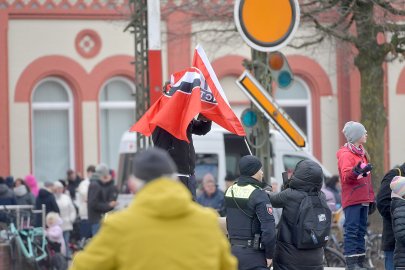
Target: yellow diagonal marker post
[(265, 103)]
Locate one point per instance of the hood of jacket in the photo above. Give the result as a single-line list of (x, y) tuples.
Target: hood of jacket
[(164, 198), (4, 190), (307, 176), (20, 191)]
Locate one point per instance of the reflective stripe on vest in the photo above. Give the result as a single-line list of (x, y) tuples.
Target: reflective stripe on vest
[(239, 192)]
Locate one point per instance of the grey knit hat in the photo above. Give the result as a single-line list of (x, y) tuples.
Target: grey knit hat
[(353, 131), (153, 163), (102, 170)]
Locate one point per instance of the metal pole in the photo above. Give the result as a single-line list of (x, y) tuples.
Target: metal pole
[(139, 25), (43, 216), (261, 72)]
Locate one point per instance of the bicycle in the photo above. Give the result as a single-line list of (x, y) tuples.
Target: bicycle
[(27, 244), (374, 253), (333, 258)]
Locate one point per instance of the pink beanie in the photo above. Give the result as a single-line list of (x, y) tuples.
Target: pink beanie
[(398, 185), (32, 183)]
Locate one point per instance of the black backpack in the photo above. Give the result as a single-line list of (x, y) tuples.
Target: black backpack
[(312, 225)]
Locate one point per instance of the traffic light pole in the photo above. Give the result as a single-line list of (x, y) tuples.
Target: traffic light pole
[(139, 25), (260, 70)]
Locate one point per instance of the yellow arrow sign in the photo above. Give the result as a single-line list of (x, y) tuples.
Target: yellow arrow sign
[(265, 103)]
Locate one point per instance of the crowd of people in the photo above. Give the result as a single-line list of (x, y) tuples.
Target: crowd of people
[(73, 206), (262, 223)]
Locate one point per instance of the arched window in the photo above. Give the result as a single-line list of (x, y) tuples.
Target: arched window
[(52, 130), (117, 115), (296, 102)]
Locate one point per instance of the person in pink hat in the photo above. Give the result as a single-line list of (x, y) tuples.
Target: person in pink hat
[(32, 183)]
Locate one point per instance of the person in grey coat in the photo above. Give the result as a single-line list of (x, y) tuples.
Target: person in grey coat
[(22, 193), (307, 177)]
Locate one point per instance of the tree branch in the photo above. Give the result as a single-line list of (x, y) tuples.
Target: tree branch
[(333, 32), (307, 43), (387, 6), (392, 27)]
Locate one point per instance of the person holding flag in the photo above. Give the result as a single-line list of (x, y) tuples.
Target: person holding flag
[(194, 91), (182, 152)]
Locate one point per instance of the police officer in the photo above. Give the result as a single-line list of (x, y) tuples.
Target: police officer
[(250, 220)]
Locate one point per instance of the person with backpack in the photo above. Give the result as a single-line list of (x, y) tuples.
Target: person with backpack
[(384, 208), (249, 219), (357, 193), (305, 223)]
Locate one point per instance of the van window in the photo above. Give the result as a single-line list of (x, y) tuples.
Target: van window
[(235, 148), (290, 161), (206, 163)]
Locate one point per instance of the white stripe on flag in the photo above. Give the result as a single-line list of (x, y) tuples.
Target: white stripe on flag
[(213, 76)]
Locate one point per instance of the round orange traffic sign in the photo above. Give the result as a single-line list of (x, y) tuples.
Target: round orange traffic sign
[(267, 25)]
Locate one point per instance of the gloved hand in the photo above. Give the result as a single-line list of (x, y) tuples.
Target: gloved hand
[(357, 170), (367, 169), (371, 208)]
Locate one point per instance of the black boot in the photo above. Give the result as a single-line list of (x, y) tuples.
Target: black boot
[(363, 263), (353, 264)]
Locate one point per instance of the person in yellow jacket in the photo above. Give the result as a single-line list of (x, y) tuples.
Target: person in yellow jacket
[(161, 229)]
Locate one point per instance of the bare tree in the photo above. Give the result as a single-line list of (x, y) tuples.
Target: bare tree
[(376, 29)]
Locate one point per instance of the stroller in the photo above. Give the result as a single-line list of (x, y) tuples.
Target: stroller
[(55, 260)]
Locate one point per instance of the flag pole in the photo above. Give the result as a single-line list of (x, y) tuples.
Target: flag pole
[(247, 145)]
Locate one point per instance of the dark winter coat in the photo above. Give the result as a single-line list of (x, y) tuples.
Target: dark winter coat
[(398, 222), (99, 197), (307, 177), (182, 152), (47, 198), (216, 201), (72, 187), (7, 196), (384, 207)]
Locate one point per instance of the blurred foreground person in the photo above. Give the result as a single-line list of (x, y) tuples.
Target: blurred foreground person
[(161, 229)]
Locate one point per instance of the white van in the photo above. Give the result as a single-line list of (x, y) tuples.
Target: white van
[(218, 153)]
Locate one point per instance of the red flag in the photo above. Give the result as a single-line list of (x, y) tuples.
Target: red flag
[(175, 109), (218, 110), (192, 91)]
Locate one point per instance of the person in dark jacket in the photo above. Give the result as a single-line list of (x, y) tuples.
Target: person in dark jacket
[(73, 182), (182, 152), (211, 195), (307, 177), (384, 208), (250, 221), (46, 197), (102, 196), (7, 196), (398, 220)]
